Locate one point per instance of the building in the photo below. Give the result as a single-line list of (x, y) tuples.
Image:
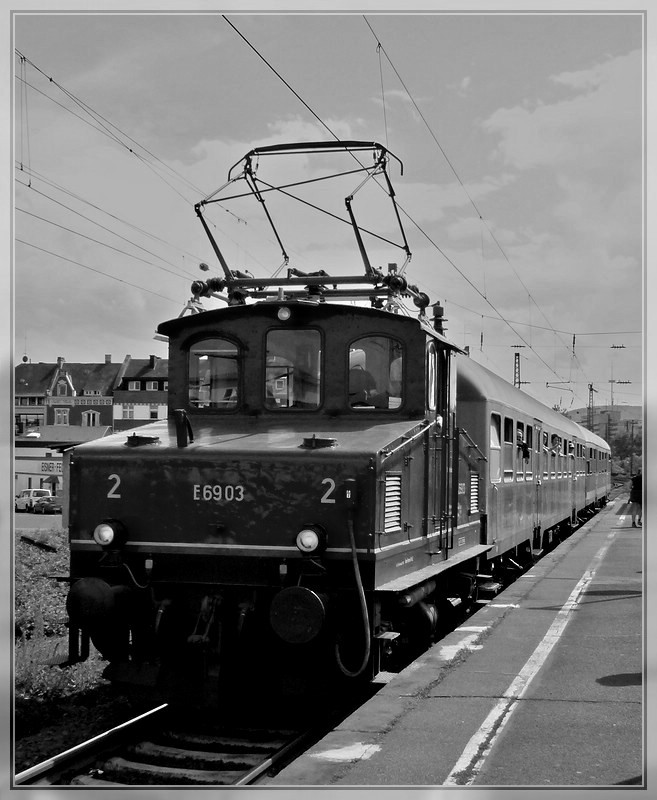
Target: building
[(140, 392), (63, 394), (611, 421), (38, 456), (57, 406)]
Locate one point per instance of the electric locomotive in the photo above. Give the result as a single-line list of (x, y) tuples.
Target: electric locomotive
[(322, 495)]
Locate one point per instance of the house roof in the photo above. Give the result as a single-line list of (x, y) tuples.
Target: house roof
[(38, 379), (146, 368), (33, 379)]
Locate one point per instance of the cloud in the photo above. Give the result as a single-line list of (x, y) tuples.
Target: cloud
[(462, 87), (578, 130)]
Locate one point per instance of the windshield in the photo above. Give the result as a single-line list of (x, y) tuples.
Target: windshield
[(293, 369), (214, 371), (375, 373)]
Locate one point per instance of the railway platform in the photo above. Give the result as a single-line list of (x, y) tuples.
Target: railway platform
[(544, 686)]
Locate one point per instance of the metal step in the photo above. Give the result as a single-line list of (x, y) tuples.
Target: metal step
[(490, 588)]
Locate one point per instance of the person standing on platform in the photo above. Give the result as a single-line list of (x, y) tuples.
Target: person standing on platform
[(636, 499)]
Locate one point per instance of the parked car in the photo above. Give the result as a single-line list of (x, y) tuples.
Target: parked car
[(26, 499), (48, 505)]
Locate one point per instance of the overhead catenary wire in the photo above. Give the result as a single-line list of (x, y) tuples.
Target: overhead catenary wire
[(94, 269), (477, 211), (25, 122), (109, 131), (97, 241), (103, 126), (102, 227), (500, 316), (574, 358), (424, 233), (112, 131), (453, 169)]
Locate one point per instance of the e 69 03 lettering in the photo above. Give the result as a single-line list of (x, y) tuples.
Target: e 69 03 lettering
[(219, 492)]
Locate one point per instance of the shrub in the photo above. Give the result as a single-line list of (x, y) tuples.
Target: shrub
[(41, 635)]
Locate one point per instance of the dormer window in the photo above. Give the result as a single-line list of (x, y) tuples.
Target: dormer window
[(133, 386), (61, 388)]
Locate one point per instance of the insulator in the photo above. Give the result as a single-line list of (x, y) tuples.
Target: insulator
[(215, 284), (421, 300), (396, 282)]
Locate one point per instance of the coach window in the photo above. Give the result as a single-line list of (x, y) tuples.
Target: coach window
[(293, 369), (214, 372), (495, 449), (509, 449), (529, 461), (375, 373)]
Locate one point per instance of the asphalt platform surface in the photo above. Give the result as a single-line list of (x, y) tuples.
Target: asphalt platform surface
[(543, 687)]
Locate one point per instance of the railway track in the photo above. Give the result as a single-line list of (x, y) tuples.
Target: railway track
[(162, 749), (173, 747)]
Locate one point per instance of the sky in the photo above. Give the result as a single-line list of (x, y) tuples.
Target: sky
[(521, 196)]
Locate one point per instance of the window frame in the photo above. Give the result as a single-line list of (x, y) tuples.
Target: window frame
[(495, 423), (401, 345), (196, 342), (289, 409)]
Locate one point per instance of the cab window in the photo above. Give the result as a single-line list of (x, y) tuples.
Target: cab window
[(293, 369), (214, 374), (375, 373)]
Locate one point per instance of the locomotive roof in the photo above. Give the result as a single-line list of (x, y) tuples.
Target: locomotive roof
[(476, 382), (323, 310)]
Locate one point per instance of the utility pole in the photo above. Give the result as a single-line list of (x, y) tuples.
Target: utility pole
[(516, 368), (589, 412), (612, 381)]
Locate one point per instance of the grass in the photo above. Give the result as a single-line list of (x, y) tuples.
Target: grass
[(40, 634)]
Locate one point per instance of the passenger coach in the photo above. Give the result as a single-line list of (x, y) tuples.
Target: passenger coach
[(539, 471)]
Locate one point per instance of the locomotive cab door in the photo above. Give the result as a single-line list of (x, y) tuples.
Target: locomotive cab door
[(441, 466)]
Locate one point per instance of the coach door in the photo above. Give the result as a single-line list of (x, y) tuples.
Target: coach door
[(539, 456), (495, 530)]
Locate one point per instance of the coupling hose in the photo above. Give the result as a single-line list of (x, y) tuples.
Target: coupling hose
[(363, 608)]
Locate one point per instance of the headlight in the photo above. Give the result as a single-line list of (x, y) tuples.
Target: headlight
[(109, 532), (310, 540)]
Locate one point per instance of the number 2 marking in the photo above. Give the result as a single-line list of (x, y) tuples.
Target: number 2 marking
[(117, 482), (327, 494)]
